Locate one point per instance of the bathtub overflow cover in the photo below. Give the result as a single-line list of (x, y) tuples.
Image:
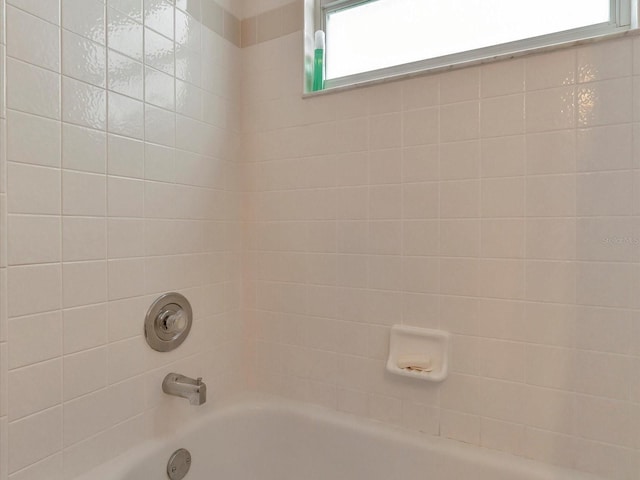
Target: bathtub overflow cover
[(179, 464)]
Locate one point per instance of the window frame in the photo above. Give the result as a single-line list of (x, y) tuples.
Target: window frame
[(624, 15)]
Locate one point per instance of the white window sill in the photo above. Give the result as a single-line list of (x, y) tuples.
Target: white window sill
[(387, 75)]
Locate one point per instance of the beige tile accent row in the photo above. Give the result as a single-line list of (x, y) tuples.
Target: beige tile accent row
[(219, 20), (273, 24)]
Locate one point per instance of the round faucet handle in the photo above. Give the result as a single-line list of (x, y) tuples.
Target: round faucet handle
[(174, 322), (168, 322)]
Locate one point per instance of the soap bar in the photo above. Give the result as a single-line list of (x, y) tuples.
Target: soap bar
[(417, 362)]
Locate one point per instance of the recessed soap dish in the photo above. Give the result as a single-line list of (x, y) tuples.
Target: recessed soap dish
[(432, 346)]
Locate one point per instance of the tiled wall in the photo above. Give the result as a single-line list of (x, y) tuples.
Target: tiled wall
[(272, 23), (3, 257), (252, 8), (122, 134), (499, 203)]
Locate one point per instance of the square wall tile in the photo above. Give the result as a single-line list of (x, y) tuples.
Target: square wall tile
[(83, 238), (33, 139), (35, 339), (32, 40), (83, 149), (84, 194), (84, 328), (44, 293), (83, 59), (86, 18), (126, 116), (34, 388), (131, 8), (84, 283), (159, 15), (26, 448), (32, 89), (33, 190), (124, 34), (33, 239), (83, 104), (84, 373), (48, 11)]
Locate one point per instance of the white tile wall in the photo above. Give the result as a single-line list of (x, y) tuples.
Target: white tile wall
[(89, 105), (495, 202)]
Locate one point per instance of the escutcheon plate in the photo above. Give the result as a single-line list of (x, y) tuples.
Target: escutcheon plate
[(168, 322), (179, 464)]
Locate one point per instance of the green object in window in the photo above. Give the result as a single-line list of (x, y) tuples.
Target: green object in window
[(318, 62)]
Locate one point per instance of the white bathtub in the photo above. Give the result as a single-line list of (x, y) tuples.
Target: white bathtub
[(269, 440)]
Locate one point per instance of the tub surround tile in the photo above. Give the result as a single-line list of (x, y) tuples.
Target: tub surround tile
[(83, 194), (516, 179), (4, 393), (125, 157), (32, 40), (84, 328), (84, 373), (34, 339), (268, 25), (447, 201), (33, 140), (32, 89), (79, 128), (83, 238), (33, 239), (86, 18), (26, 448), (83, 59), (50, 467), (601, 103), (90, 453), (34, 388), (159, 16), (83, 149), (48, 11), (551, 70), (44, 293), (124, 34)]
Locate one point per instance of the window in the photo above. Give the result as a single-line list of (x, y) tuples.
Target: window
[(369, 39)]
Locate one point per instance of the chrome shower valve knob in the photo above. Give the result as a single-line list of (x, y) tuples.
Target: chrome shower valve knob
[(173, 322), (168, 322)]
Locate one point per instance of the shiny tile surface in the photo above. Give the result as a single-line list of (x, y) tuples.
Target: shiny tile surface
[(95, 219), (605, 102), (83, 59), (131, 8), (126, 116), (159, 89), (32, 40), (124, 34), (159, 16), (85, 18), (83, 104), (49, 11), (498, 202), (188, 32), (159, 52), (125, 75), (83, 149), (552, 109), (32, 89)]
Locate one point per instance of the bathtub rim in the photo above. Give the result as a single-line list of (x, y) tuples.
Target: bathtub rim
[(117, 467)]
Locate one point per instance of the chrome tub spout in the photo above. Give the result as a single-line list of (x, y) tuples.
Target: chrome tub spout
[(195, 390)]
